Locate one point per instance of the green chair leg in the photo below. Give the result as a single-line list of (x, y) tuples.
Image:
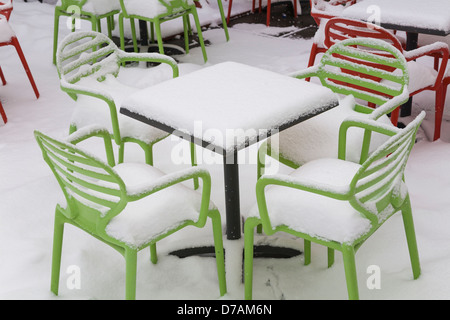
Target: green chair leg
[(153, 254), (307, 251), (199, 33), (218, 247), (55, 35), (411, 237), (131, 269), (249, 228), (350, 272), (330, 257), (56, 253)]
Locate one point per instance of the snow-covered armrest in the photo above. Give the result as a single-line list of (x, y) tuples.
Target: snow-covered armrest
[(149, 57), (305, 73), (137, 192), (440, 48)]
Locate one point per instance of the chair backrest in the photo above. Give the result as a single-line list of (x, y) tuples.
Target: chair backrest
[(378, 186), (6, 8), (338, 29), (92, 189), (86, 54), (355, 67)]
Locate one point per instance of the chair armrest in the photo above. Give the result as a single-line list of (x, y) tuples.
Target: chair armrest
[(87, 132), (427, 50), (146, 189), (94, 131), (74, 90), (305, 73), (370, 126), (390, 105), (149, 57), (297, 183)]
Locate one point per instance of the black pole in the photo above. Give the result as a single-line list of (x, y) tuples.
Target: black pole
[(232, 201)]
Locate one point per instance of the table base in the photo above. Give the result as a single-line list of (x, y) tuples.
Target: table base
[(260, 251)]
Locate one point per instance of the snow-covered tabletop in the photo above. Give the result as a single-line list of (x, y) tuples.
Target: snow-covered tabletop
[(228, 106), (420, 16)]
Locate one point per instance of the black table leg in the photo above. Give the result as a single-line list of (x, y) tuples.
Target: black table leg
[(143, 32), (232, 201), (411, 44)]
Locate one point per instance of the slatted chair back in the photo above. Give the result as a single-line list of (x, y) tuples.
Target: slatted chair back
[(379, 189), (338, 29), (83, 54), (355, 66), (93, 191)]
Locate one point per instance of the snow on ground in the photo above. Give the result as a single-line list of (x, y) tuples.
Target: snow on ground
[(29, 192)]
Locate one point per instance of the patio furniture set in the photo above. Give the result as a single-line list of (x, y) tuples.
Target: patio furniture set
[(340, 137)]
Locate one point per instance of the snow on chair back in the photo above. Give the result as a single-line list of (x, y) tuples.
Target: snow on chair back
[(83, 54), (379, 189), (338, 29), (355, 66), (91, 188)]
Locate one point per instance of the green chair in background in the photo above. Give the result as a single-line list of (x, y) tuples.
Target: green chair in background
[(129, 207), (338, 203), (88, 64), (91, 10), (353, 69), (157, 12)]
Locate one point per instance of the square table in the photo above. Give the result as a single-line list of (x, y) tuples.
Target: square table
[(412, 16), (243, 104)]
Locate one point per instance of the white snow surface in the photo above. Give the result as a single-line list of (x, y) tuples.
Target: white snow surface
[(29, 192)]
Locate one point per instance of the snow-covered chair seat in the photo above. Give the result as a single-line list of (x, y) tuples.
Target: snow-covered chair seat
[(129, 207), (317, 137), (338, 203), (156, 12), (88, 64), (91, 10)]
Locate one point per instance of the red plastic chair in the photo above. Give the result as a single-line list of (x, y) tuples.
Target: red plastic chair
[(337, 29), (7, 32), (6, 8), (269, 2)]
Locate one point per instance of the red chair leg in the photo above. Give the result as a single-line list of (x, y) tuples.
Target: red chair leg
[(3, 114), (268, 12), (312, 57), (229, 10), (295, 9), (440, 103), (394, 116), (16, 44), (2, 77)]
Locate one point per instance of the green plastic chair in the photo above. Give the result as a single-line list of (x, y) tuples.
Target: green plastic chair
[(129, 207), (351, 68), (91, 10), (338, 203), (157, 12), (88, 64)]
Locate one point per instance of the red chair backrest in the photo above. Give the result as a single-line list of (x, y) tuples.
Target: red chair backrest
[(338, 29)]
